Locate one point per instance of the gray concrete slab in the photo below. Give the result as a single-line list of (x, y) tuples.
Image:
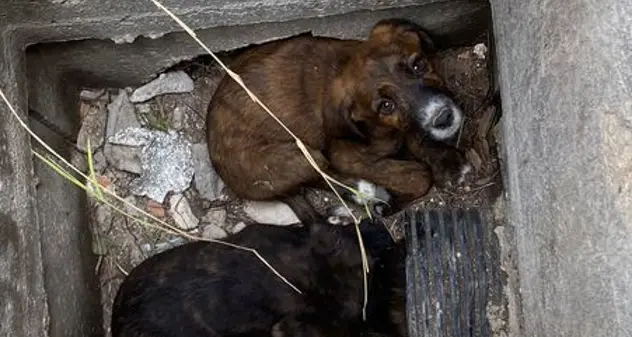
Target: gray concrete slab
[(566, 79)]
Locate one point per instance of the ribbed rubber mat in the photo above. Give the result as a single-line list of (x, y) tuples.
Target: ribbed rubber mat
[(446, 274)]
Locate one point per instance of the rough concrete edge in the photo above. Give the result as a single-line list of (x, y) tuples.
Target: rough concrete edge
[(20, 201)]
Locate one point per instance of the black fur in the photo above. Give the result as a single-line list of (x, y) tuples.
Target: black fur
[(208, 289)]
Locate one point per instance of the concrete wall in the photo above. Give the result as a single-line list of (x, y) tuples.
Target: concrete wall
[(46, 285), (566, 79)]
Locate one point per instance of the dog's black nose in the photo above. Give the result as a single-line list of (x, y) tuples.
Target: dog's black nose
[(444, 118)]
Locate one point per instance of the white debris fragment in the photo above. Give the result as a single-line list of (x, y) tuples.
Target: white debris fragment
[(207, 181), (238, 227), (99, 161), (166, 161), (181, 212), (480, 50), (166, 83), (270, 212)]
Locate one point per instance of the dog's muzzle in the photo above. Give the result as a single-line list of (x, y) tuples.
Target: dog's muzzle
[(438, 114)]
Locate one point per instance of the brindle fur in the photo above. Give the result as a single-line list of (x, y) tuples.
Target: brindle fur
[(328, 92)]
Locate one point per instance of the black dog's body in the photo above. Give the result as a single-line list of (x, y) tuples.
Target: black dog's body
[(208, 289)]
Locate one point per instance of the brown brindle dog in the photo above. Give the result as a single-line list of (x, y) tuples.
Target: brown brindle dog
[(355, 104)]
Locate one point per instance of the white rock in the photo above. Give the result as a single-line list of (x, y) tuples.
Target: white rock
[(213, 232), (91, 94), (181, 212), (270, 212), (238, 227), (480, 50), (172, 82), (207, 182), (215, 216)]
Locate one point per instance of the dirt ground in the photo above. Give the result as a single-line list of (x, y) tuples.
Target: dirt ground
[(122, 243)]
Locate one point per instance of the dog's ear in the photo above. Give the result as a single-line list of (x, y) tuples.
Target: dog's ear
[(391, 31), (337, 114)]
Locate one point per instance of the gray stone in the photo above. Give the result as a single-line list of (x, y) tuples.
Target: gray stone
[(178, 118), (167, 83), (181, 213), (121, 115), (92, 128), (270, 212), (214, 232), (207, 182)]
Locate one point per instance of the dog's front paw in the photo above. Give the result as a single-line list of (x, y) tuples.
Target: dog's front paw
[(376, 197)]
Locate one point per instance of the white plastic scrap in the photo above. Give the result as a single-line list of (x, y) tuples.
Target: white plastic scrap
[(166, 161)]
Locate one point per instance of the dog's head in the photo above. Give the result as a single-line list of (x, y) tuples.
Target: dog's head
[(392, 82)]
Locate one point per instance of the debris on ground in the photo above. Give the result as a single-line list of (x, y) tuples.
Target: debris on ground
[(150, 147)]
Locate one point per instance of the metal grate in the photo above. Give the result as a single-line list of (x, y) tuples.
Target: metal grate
[(446, 274)]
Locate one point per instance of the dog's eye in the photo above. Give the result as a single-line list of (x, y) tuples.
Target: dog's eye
[(387, 106), (418, 67)]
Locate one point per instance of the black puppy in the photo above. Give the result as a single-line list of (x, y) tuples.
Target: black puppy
[(209, 289)]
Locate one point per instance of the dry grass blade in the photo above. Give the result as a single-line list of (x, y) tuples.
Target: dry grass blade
[(162, 225), (298, 141)]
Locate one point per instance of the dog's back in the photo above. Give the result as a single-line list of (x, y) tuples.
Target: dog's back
[(209, 289)]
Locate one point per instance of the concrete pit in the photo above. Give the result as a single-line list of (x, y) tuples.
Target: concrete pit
[(556, 171)]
